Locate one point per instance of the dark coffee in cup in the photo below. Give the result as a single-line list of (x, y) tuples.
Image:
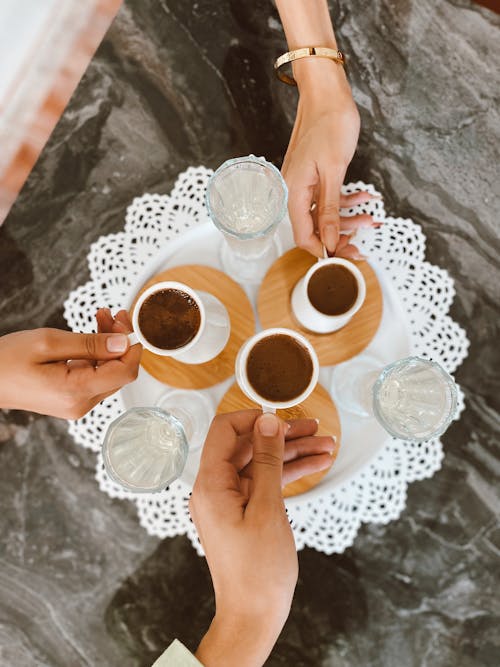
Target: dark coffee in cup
[(279, 368), (169, 319), (332, 289)]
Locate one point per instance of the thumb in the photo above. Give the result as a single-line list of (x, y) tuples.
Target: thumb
[(268, 452), (328, 212), (56, 345)]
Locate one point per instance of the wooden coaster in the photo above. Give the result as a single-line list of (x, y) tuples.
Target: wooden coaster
[(318, 405), (275, 310), (199, 376)]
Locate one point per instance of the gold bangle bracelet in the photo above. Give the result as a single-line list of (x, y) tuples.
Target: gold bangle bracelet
[(307, 51)]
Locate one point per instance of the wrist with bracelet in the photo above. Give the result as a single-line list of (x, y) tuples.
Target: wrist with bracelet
[(324, 52)]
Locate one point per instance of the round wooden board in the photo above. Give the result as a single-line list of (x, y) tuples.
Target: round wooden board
[(200, 376), (318, 405), (275, 310)]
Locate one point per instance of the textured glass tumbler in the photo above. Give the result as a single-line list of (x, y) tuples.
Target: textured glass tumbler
[(246, 199), (145, 449), (413, 399), (193, 409)]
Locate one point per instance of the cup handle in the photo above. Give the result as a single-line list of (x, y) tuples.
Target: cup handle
[(268, 409), (132, 339)]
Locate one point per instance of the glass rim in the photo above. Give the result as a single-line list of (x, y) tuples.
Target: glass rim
[(242, 160), (450, 383), (107, 462)]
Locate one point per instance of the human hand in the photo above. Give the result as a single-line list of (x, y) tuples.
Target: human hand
[(239, 513), (321, 147), (65, 374)]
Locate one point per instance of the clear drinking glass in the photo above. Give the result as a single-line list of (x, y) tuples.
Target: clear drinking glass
[(246, 199), (145, 449), (413, 398), (193, 410)]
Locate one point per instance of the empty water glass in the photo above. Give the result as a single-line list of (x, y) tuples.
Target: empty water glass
[(193, 409), (413, 398), (246, 199), (145, 449)]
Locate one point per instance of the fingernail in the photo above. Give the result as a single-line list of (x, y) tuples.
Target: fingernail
[(287, 427), (316, 420), (116, 343), (326, 465), (268, 425), (330, 236)]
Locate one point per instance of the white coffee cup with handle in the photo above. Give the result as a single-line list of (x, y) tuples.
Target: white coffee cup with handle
[(207, 341), (308, 315), (241, 370)]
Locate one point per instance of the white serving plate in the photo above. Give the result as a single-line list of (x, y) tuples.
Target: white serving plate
[(362, 438)]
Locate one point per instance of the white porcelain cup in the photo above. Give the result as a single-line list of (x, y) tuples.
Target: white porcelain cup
[(242, 376), (309, 316), (211, 337)]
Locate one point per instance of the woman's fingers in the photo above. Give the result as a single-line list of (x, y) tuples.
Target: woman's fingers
[(122, 322), (296, 449), (308, 465), (303, 447), (355, 222), (104, 321), (302, 179), (328, 207), (299, 209), (350, 251), (356, 198), (299, 428), (294, 428)]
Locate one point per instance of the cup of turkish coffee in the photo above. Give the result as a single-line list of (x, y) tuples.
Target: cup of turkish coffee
[(277, 368), (172, 320), (330, 293)]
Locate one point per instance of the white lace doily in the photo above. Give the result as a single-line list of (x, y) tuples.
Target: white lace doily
[(328, 522)]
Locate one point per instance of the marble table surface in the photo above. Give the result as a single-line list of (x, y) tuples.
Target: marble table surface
[(177, 83)]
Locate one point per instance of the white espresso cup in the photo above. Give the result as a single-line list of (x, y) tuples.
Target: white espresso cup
[(309, 316), (242, 375), (211, 337)]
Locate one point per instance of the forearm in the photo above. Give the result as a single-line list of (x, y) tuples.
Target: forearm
[(233, 641), (308, 23)]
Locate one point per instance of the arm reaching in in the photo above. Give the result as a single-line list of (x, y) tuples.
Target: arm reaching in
[(324, 136), (65, 374), (238, 510)]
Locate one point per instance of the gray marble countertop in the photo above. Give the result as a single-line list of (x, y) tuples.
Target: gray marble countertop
[(175, 84)]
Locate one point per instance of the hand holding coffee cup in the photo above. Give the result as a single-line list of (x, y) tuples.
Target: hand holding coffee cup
[(330, 293), (277, 369), (172, 320)]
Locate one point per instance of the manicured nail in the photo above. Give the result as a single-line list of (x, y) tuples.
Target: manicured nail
[(116, 343), (330, 236), (268, 425), (327, 464)]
